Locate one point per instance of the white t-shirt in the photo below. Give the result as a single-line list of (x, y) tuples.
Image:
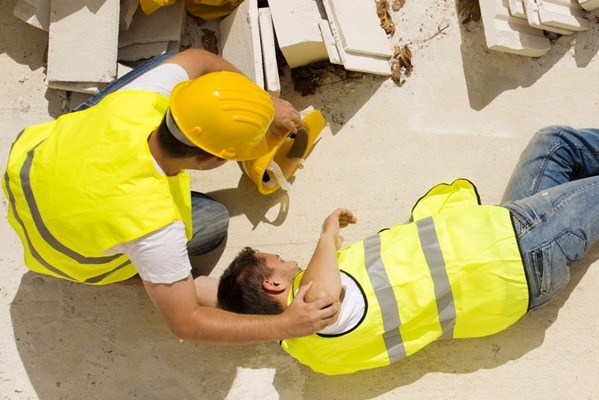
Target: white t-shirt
[(352, 308), (161, 256)]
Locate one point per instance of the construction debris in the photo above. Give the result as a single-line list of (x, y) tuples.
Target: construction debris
[(382, 10), (398, 4), (401, 64), (306, 31), (519, 26), (307, 78)]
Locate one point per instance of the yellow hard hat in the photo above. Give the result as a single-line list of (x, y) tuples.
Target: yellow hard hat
[(223, 113), (286, 154)]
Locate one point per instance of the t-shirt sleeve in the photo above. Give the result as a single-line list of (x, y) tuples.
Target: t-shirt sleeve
[(161, 256), (160, 79), (352, 308)]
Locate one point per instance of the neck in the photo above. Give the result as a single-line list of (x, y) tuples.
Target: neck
[(169, 165)]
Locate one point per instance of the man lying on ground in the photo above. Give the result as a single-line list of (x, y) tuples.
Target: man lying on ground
[(458, 269)]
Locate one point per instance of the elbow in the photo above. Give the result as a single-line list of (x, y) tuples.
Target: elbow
[(182, 333), (183, 329), (317, 294)]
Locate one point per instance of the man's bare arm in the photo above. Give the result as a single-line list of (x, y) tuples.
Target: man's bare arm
[(178, 304), (323, 268)]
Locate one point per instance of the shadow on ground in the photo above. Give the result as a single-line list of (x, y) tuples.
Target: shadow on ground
[(489, 73), (449, 356), (78, 341)]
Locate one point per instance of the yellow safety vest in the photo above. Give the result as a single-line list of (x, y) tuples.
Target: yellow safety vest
[(454, 272), (85, 182)]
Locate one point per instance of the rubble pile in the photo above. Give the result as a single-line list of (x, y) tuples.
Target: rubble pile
[(525, 27), (93, 42)]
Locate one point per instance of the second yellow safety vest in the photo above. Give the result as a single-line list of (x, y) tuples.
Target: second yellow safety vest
[(454, 272)]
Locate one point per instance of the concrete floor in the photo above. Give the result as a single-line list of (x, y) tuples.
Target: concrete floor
[(465, 111)]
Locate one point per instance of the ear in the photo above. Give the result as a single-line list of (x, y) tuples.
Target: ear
[(273, 286), (202, 159), (207, 161)]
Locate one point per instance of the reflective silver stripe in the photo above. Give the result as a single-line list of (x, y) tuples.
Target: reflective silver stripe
[(384, 295), (436, 263), (45, 233), (32, 249), (175, 131)]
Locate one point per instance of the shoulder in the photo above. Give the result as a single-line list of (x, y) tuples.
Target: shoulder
[(160, 79)]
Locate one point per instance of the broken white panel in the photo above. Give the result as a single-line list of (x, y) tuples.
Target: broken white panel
[(240, 40), (297, 31), (163, 25), (34, 12), (566, 14), (128, 8), (83, 39), (142, 51), (81, 87), (510, 34), (329, 42), (516, 8), (272, 82), (534, 19), (589, 5), (360, 62), (356, 61), (78, 98), (359, 27)]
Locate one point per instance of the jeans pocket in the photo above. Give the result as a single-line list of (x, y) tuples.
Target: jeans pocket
[(550, 264)]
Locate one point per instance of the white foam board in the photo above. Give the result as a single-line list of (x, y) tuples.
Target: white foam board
[(533, 17), (240, 40), (297, 32), (589, 5), (357, 61), (34, 12), (510, 34), (359, 27), (566, 14), (83, 38), (163, 25), (329, 42), (516, 8), (269, 53)]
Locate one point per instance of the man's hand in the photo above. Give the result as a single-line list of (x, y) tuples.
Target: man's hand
[(287, 118), (340, 218), (303, 319)]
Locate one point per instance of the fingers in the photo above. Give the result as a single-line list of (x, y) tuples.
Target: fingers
[(287, 118), (301, 292), (345, 217), (328, 313)]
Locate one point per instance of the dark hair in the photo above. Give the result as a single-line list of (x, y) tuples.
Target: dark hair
[(173, 147), (240, 287)]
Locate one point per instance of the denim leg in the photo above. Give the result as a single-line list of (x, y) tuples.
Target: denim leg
[(210, 221), (555, 155), (123, 80), (553, 196), (555, 228)]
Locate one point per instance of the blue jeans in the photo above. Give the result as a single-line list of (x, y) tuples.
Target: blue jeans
[(210, 219), (210, 222), (553, 196)]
